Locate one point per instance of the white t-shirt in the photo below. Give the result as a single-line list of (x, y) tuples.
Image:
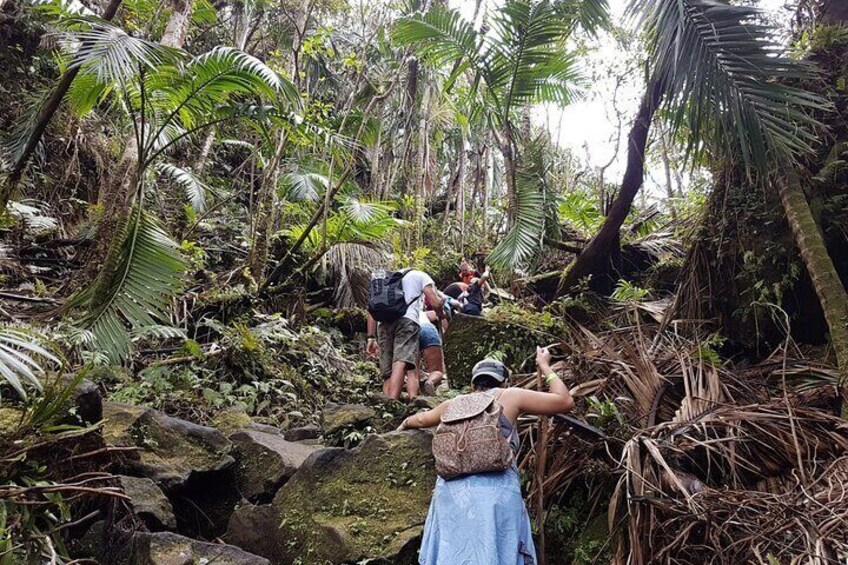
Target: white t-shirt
[(413, 287)]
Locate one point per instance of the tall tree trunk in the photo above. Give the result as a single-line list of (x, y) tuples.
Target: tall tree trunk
[(596, 257), (828, 286), (45, 114)]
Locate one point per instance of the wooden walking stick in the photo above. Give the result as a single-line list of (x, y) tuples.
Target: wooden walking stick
[(541, 460)]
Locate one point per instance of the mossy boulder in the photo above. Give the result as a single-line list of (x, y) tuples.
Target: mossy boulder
[(149, 503), (337, 417), (10, 420), (265, 462), (345, 506), (170, 450), (470, 339)]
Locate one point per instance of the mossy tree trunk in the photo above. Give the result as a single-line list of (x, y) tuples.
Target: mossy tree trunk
[(828, 286)]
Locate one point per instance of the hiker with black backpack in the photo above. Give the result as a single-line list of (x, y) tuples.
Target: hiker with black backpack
[(477, 514), (394, 309)]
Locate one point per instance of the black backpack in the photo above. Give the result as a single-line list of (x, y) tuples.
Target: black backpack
[(386, 302)]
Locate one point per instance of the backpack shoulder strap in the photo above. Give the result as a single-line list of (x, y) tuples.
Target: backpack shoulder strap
[(466, 406)]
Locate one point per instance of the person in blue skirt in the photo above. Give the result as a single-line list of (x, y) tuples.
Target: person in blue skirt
[(481, 519)]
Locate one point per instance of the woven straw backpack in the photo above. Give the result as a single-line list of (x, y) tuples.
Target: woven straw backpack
[(468, 440)]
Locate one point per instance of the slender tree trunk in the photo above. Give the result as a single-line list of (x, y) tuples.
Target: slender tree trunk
[(205, 151), (669, 188), (488, 187), (828, 286), (45, 114), (257, 258), (119, 189), (596, 257)]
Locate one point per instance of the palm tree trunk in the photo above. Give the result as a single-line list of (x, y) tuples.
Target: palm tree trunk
[(596, 257), (119, 189), (45, 114), (829, 289), (257, 258)]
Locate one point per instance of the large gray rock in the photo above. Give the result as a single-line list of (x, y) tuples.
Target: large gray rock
[(164, 548), (160, 548), (305, 433), (265, 462), (170, 450), (149, 502), (345, 506), (339, 416)]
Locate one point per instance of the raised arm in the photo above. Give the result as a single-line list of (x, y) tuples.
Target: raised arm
[(521, 401), (426, 419)]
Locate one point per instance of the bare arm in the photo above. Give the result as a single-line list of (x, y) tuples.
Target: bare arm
[(518, 401), (435, 300), (426, 419), (372, 325), (372, 349)]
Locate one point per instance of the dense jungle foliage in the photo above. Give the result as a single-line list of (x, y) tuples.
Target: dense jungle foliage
[(194, 194)]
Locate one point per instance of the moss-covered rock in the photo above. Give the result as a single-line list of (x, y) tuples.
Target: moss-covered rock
[(10, 421), (160, 548), (265, 462), (472, 338), (339, 416), (346, 505), (171, 450)]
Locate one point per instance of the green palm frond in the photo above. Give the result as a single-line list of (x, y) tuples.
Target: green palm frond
[(527, 58), (442, 36), (524, 239), (108, 52), (591, 15), (302, 185), (726, 79), (136, 291), (195, 189), (521, 60), (21, 358), (363, 212), (196, 90)]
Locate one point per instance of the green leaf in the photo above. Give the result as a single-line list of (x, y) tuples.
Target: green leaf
[(726, 79), (135, 289), (194, 188)]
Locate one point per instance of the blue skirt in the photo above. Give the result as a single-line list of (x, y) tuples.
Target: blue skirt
[(478, 520)]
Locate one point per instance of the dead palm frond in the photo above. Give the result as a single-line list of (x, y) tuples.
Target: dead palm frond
[(349, 266)]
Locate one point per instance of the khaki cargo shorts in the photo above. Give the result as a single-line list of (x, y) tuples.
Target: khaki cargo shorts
[(398, 341)]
